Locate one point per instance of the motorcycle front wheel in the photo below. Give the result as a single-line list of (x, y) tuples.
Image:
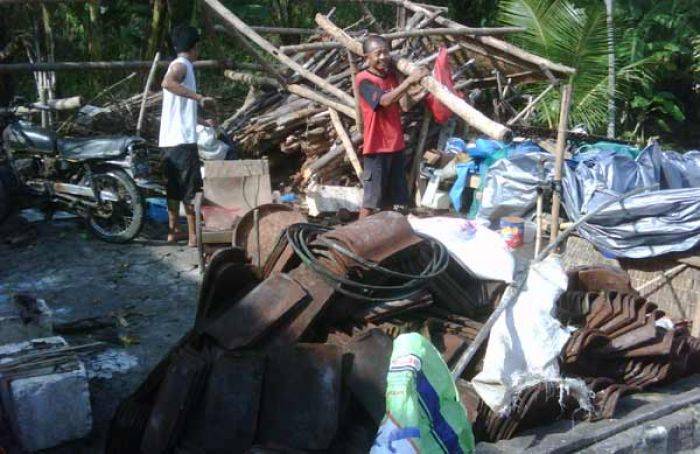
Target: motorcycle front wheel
[(121, 220)]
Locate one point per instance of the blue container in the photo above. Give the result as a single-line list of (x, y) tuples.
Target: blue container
[(157, 209)]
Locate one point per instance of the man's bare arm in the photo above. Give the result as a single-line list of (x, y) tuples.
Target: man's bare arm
[(173, 82)]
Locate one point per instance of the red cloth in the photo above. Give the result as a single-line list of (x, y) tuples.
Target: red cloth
[(442, 72), (383, 132)]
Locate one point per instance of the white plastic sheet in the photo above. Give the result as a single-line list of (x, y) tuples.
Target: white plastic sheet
[(526, 339), (483, 251)]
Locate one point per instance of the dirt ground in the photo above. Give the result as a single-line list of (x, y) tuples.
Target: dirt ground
[(149, 288)]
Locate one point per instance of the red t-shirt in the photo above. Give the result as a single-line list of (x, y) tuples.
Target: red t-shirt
[(383, 132)]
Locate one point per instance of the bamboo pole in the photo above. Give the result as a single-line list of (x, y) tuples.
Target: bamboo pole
[(269, 68), (559, 164), (489, 41), (110, 65), (373, 22), (24, 2), (285, 30), (530, 105), (305, 92), (235, 23), (146, 89), (466, 31), (347, 143), (250, 79), (442, 93)]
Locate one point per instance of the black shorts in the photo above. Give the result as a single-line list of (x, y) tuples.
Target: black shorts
[(181, 166), (384, 180)]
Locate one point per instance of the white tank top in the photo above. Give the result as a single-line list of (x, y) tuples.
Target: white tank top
[(178, 120)]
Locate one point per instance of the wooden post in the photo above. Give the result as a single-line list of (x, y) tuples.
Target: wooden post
[(236, 24), (146, 89), (559, 164), (255, 54), (442, 93), (420, 149), (305, 92), (355, 92), (347, 143)]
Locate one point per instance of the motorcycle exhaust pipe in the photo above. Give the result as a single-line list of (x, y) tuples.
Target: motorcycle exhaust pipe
[(83, 191)]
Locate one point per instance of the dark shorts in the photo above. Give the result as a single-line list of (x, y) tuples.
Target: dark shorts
[(181, 166), (384, 180)]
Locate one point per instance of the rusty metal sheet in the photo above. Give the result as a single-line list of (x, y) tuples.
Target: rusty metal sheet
[(253, 317), (301, 397), (370, 363), (273, 219), (180, 389), (227, 414), (375, 238), (228, 277), (320, 292)]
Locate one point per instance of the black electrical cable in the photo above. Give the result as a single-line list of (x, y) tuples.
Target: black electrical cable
[(300, 236)]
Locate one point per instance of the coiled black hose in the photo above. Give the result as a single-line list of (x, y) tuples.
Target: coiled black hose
[(300, 236)]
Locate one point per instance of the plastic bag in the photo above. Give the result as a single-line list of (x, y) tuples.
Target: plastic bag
[(526, 340), (210, 149), (423, 411), (484, 253), (442, 72)]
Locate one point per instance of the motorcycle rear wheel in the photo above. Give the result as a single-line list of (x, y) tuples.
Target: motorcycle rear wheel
[(120, 221)]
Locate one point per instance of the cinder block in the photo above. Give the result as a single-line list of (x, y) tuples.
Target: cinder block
[(654, 440), (23, 317), (46, 405)]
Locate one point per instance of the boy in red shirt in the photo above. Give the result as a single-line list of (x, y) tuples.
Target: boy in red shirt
[(380, 95)]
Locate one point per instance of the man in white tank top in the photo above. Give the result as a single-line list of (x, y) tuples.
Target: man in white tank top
[(178, 135)]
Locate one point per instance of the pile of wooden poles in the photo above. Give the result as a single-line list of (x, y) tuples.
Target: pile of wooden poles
[(307, 101)]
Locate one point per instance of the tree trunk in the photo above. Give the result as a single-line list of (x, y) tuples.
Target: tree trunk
[(609, 4), (95, 42), (157, 22)]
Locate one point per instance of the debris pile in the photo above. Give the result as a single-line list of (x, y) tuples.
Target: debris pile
[(309, 331), (624, 345), (307, 103)]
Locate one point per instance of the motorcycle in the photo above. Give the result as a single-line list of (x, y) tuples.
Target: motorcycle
[(102, 179)]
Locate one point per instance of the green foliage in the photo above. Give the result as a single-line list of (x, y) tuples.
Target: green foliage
[(652, 45)]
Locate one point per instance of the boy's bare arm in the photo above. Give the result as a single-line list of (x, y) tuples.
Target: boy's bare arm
[(397, 93)]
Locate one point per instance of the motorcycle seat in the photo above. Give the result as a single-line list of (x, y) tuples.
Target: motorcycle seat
[(90, 148)]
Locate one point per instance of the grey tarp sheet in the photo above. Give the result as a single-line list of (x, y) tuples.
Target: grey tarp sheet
[(656, 222)]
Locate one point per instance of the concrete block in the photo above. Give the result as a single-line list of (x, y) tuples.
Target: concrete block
[(23, 317), (46, 405), (654, 439)]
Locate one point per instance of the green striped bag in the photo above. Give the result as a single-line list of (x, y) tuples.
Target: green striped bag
[(423, 411)]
